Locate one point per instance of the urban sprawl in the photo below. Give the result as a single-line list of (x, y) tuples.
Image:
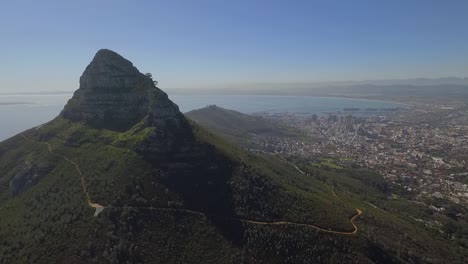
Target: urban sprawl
[(421, 150)]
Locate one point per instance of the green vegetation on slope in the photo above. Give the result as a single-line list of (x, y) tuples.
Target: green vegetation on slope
[(251, 187), (50, 222), (237, 126)]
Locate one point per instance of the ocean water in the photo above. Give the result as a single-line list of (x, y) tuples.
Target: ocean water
[(279, 104), (21, 112)]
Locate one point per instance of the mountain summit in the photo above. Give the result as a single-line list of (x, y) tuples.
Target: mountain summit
[(114, 94)]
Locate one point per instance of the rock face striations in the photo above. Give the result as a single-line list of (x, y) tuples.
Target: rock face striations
[(113, 94)]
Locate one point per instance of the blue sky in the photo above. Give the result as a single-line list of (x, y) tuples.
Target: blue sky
[(45, 45)]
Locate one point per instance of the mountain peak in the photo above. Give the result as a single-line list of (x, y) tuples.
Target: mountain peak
[(109, 70), (106, 59), (114, 94), (108, 52)]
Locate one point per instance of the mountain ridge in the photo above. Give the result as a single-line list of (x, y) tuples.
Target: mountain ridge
[(236, 126)]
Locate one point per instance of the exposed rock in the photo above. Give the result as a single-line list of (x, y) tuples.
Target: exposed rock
[(27, 175), (114, 94)]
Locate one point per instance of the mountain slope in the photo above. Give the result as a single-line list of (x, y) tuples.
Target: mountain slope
[(124, 181), (236, 126), (171, 192)]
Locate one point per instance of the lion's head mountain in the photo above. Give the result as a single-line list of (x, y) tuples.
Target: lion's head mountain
[(171, 191)]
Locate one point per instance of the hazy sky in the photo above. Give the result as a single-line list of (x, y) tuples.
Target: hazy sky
[(45, 45)]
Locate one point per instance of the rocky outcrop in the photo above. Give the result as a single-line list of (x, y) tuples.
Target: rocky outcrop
[(26, 176), (114, 94)]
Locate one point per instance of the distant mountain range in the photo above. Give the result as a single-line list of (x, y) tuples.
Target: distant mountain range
[(411, 81), (421, 88), (414, 84)]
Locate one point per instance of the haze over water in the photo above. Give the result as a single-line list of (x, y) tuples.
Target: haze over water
[(21, 112)]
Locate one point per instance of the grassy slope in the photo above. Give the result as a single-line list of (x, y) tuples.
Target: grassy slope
[(51, 219)]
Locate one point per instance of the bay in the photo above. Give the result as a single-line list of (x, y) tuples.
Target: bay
[(20, 112)]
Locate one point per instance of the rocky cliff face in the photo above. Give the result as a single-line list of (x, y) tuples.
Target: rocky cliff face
[(114, 94)]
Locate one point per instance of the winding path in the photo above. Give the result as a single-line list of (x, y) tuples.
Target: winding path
[(91, 204), (99, 208)]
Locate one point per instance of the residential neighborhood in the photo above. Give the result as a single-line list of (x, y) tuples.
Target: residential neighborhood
[(422, 151)]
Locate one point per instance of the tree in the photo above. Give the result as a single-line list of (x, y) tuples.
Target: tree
[(149, 75)]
